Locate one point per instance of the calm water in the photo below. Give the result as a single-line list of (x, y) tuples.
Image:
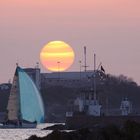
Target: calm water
[(22, 134)]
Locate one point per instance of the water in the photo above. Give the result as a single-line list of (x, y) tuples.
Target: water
[(22, 134)]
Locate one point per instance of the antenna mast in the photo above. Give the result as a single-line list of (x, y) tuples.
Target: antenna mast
[(85, 55)]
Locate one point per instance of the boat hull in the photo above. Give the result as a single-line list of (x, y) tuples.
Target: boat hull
[(22, 126)]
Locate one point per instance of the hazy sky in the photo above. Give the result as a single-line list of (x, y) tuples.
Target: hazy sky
[(111, 28)]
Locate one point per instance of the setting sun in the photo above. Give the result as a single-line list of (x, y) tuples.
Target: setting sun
[(57, 56)]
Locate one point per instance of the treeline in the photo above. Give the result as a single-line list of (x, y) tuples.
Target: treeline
[(115, 88)]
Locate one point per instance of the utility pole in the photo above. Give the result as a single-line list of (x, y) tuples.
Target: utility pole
[(58, 64), (80, 69), (95, 77)]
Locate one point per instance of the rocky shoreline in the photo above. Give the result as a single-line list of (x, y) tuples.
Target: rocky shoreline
[(129, 131)]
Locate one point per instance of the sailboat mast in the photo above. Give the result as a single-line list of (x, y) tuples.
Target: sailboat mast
[(19, 100), (95, 76)]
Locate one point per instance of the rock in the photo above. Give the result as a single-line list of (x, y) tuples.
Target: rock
[(130, 131), (34, 137), (56, 127)]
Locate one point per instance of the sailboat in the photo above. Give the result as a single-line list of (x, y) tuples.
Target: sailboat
[(25, 107)]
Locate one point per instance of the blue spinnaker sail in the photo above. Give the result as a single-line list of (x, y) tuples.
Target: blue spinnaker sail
[(31, 105)]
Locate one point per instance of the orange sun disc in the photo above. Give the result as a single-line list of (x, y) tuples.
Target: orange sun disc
[(57, 56)]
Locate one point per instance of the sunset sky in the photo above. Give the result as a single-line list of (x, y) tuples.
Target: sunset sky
[(110, 28)]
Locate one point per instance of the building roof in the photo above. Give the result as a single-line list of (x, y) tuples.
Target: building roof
[(68, 75)]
